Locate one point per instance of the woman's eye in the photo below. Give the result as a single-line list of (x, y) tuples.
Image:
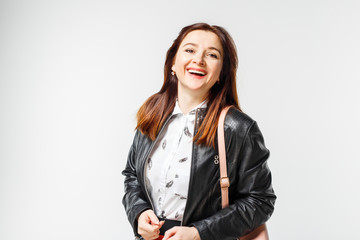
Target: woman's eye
[(213, 55), (189, 50)]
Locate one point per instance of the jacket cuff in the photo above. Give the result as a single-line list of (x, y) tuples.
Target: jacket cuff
[(202, 229), (135, 213)]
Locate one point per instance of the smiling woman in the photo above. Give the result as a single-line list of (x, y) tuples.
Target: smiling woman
[(154, 112), (197, 66), (172, 178)]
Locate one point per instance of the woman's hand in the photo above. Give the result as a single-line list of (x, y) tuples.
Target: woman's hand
[(182, 233), (149, 225)]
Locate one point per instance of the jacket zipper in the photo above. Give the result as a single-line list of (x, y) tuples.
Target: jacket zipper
[(146, 157), (191, 168)]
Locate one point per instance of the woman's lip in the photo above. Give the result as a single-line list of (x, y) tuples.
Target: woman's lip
[(195, 76), (197, 69)]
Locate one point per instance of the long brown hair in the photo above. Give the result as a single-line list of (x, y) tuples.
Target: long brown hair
[(156, 109)]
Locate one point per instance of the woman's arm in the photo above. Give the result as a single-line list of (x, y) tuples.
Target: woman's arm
[(134, 200), (251, 188)]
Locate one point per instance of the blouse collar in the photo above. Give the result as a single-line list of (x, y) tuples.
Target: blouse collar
[(191, 114)]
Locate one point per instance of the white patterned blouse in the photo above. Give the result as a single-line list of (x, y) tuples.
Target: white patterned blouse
[(167, 170)]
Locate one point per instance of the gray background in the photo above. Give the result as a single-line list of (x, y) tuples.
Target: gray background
[(74, 73)]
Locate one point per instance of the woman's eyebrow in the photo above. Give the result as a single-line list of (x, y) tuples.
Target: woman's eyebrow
[(195, 45), (192, 44), (214, 48)]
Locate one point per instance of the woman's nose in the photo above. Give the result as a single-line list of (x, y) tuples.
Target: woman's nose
[(199, 59)]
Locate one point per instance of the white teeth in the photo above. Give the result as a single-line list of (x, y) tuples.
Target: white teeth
[(197, 72)]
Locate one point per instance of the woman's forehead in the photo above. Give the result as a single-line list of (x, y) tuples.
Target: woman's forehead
[(203, 38)]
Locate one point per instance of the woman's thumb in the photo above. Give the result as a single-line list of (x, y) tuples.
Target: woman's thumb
[(153, 218)]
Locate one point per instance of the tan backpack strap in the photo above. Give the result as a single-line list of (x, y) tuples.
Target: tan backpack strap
[(224, 180)]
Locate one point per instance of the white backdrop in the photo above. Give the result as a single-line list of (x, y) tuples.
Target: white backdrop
[(74, 73)]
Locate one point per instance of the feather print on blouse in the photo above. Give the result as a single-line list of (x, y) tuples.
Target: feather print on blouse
[(169, 184), (187, 132), (183, 160), (164, 144), (180, 196), (162, 215)]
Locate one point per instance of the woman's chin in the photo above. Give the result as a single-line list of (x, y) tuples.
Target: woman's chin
[(196, 89)]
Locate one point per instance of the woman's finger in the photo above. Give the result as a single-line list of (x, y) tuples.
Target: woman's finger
[(169, 233)]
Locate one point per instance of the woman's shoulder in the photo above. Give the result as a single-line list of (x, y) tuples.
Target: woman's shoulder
[(141, 139), (238, 121)]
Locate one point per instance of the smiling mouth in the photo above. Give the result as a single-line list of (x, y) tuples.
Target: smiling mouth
[(196, 72)]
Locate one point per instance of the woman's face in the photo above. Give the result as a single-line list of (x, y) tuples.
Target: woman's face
[(198, 62)]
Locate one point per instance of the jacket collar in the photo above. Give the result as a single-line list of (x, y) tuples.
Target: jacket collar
[(192, 113)]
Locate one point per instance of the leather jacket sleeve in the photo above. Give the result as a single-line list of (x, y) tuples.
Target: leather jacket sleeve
[(134, 199), (251, 195)]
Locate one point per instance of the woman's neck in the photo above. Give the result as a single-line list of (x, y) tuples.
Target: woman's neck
[(189, 101)]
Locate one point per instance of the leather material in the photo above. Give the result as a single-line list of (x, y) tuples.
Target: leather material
[(251, 196), (259, 233)]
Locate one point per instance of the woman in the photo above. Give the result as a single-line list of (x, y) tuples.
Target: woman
[(172, 173)]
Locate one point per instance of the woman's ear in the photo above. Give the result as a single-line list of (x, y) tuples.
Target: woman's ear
[(173, 68)]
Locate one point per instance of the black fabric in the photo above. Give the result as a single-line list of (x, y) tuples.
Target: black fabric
[(168, 224), (251, 196)]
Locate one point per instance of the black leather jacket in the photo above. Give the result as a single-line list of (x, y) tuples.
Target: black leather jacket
[(251, 197)]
